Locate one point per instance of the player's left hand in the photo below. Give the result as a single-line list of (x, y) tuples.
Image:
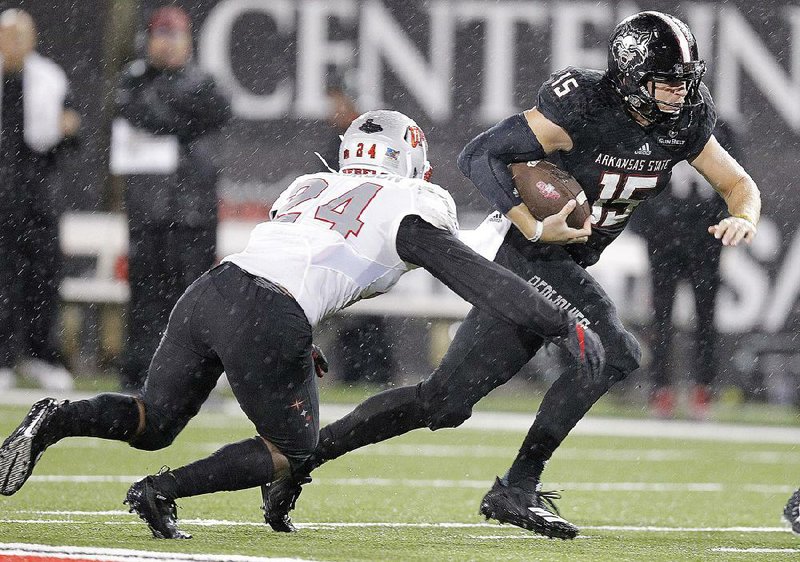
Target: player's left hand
[(732, 230), (320, 361), (585, 346)]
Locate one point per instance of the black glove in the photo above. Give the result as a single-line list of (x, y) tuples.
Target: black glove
[(585, 346), (320, 361)]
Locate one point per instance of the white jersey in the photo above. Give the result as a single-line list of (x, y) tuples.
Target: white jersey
[(331, 240)]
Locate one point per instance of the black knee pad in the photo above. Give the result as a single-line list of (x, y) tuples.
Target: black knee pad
[(441, 406), (160, 430)]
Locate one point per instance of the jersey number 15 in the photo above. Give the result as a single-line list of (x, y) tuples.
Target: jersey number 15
[(564, 85)]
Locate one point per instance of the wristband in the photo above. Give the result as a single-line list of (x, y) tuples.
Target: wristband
[(538, 233), (745, 216)]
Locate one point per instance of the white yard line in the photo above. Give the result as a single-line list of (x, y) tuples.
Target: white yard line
[(228, 413), (470, 484), (125, 555), (443, 525), (758, 550), (65, 512), (496, 452), (769, 457), (517, 537), (617, 427), (488, 451)]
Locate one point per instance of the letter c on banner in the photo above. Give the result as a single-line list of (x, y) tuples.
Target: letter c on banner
[(215, 55)]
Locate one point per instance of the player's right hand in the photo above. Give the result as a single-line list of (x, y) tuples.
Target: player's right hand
[(556, 230), (320, 361)]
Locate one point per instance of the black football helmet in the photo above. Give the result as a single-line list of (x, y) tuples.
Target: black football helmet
[(651, 47)]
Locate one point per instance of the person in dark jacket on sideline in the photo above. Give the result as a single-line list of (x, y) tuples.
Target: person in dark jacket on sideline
[(37, 127), (166, 106), (688, 254)]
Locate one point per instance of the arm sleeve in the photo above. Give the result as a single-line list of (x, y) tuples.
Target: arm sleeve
[(486, 158), (567, 110), (482, 283)]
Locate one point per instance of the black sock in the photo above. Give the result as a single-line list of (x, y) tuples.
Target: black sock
[(527, 468), (388, 414), (564, 404), (238, 466), (107, 416)]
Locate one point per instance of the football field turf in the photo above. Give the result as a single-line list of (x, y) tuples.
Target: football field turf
[(416, 498)]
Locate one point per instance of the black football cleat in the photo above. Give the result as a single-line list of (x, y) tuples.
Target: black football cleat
[(155, 509), (23, 448), (534, 511), (280, 498), (791, 513)]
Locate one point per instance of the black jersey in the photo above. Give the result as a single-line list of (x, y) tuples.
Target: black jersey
[(618, 162)]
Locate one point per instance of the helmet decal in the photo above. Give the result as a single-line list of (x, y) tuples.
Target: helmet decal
[(370, 127), (415, 136), (631, 49)]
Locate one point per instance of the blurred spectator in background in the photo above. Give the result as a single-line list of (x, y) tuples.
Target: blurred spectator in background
[(36, 126), (688, 252), (362, 351), (166, 105)]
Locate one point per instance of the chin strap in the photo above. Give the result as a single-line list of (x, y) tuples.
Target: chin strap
[(428, 171)]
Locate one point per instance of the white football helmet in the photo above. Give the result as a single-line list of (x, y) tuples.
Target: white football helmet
[(384, 141)]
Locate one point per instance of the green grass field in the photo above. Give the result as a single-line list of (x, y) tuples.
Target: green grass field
[(416, 498)]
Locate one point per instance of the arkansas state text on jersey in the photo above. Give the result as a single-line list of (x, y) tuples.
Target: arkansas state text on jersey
[(618, 162)]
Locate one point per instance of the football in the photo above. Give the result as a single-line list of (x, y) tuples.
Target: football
[(546, 188)]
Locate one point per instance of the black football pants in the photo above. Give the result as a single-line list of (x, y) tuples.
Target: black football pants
[(487, 352), (232, 321), (697, 262)]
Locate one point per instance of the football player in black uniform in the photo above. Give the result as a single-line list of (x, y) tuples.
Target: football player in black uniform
[(619, 133), (791, 513)]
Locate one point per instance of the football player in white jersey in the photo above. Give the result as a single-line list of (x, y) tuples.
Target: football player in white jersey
[(334, 239)]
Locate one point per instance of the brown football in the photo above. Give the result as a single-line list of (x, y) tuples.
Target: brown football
[(546, 188)]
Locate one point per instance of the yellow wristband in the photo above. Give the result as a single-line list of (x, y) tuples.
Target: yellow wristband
[(746, 217)]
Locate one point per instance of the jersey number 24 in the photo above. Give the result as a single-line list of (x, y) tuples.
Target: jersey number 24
[(343, 213)]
